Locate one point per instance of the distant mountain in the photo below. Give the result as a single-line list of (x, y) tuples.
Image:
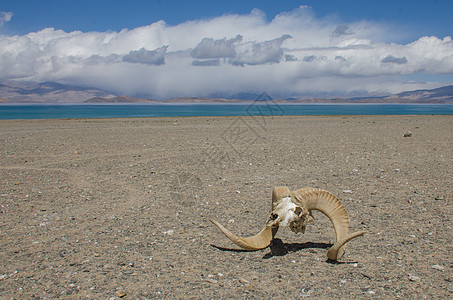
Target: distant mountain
[(119, 99), (442, 94), (51, 92), (438, 95), (237, 96), (48, 92), (202, 100)]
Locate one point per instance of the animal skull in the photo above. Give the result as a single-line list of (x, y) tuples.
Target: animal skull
[(288, 214), (293, 210)]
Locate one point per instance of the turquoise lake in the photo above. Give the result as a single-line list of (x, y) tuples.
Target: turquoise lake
[(71, 111)]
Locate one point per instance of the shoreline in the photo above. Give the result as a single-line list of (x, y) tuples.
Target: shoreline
[(113, 119)]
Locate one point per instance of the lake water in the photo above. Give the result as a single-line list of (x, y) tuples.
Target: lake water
[(71, 111)]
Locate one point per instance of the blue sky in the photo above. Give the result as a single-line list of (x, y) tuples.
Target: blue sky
[(422, 17), (306, 47)]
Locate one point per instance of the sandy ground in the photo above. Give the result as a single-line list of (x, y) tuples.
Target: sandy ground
[(120, 208)]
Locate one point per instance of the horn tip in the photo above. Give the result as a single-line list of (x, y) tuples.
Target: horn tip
[(337, 250)]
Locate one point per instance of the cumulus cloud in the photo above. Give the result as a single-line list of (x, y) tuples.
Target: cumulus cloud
[(394, 60), (309, 58), (143, 56), (205, 63), (293, 54), (257, 53), (210, 48), (5, 16), (341, 30), (290, 57)]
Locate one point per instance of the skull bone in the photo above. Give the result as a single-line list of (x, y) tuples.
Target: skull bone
[(286, 213)]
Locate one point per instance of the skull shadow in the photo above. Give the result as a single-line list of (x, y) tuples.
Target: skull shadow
[(278, 248)]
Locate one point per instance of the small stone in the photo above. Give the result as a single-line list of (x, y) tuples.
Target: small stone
[(438, 267), (244, 281), (407, 134), (347, 191), (211, 280), (412, 277), (76, 152), (305, 292), (169, 232), (121, 294)]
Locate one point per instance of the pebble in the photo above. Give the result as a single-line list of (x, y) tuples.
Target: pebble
[(413, 277), (438, 267), (244, 281), (347, 191), (211, 280), (121, 294), (305, 292), (407, 134)]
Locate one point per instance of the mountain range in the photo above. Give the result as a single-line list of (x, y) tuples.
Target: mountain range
[(47, 92), (52, 92)]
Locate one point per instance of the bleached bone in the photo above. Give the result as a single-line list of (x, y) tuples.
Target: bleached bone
[(293, 210)]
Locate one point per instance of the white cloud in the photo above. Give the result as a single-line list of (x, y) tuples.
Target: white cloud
[(294, 54), (394, 60), (207, 62), (341, 30), (210, 48), (5, 17), (143, 56), (258, 53)]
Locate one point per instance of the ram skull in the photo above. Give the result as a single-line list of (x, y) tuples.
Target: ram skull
[(293, 210)]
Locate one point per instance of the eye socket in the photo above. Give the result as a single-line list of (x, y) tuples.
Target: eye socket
[(298, 211)]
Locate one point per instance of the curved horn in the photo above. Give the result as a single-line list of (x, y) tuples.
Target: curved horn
[(265, 236), (328, 204), (259, 241)]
